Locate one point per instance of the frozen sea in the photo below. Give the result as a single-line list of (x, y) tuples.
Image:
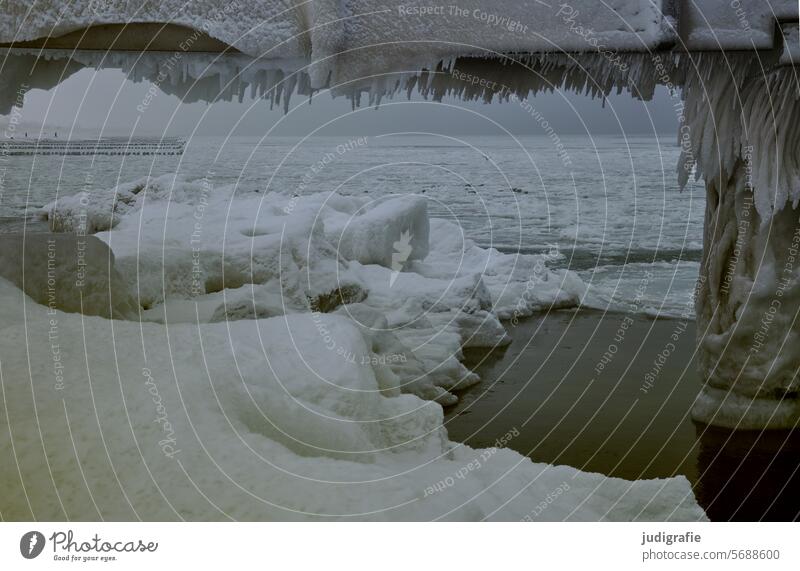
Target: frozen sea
[(609, 205)]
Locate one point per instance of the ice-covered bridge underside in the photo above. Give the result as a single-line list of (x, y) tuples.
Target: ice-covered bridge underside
[(734, 62)]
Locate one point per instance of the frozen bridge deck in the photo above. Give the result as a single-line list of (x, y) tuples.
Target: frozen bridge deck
[(273, 48), (324, 28)]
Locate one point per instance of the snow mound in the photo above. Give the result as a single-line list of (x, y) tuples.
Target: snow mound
[(174, 237), (519, 285), (427, 290), (275, 419), (102, 211), (67, 272)]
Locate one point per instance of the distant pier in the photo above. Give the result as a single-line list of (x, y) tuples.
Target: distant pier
[(105, 146)]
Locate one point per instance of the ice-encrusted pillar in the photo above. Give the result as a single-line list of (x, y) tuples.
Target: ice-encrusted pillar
[(742, 135)]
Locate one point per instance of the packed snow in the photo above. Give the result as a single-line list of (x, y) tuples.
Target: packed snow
[(269, 372), (420, 283), (274, 419)]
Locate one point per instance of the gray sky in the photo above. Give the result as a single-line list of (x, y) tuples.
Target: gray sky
[(106, 97)]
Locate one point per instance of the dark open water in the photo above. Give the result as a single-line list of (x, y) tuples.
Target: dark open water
[(545, 385)]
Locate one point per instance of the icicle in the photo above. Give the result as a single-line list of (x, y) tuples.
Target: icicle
[(719, 98), (731, 106)]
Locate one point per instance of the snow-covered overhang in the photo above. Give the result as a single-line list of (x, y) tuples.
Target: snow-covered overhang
[(349, 42), (322, 28), (220, 50), (733, 24)]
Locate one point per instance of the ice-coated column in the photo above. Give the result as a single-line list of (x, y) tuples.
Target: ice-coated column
[(741, 135)]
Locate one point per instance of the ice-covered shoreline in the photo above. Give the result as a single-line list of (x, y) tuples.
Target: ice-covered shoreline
[(224, 420), (407, 280), (267, 393)]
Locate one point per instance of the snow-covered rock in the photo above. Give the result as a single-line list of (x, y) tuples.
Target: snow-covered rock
[(67, 272), (275, 419)]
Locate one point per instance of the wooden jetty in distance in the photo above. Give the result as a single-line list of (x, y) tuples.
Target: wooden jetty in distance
[(103, 146)]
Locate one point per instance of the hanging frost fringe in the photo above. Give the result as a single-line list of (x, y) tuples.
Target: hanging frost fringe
[(737, 108), (732, 103), (191, 77), (502, 78), (210, 77)]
